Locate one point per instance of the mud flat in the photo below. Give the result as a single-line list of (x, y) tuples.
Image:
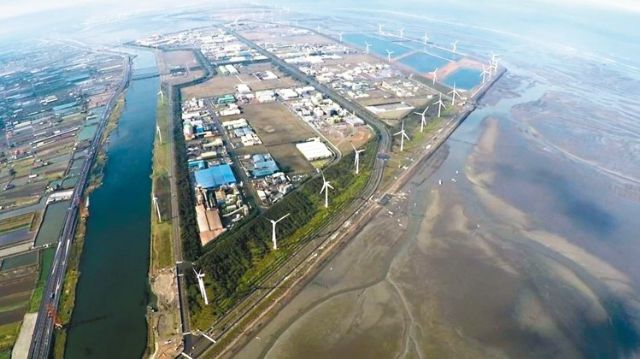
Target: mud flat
[(469, 268)]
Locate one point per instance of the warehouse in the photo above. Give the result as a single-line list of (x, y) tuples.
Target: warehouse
[(314, 150), (215, 177)]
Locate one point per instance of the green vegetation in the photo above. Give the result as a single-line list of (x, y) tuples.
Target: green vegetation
[(237, 261), (8, 336), (11, 223), (161, 248), (46, 260), (189, 236)]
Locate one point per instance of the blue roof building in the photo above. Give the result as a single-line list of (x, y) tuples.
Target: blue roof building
[(263, 165), (215, 177)]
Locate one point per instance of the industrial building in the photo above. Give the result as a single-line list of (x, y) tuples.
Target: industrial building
[(215, 177), (314, 150)]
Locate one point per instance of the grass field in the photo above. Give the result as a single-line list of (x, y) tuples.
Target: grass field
[(46, 260), (161, 248), (16, 222), (8, 336)]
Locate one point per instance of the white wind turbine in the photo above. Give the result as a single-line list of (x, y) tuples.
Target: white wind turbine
[(440, 104), (484, 73), (203, 292), (326, 185), (423, 118), (434, 75), (453, 94), (367, 46), (426, 39), (273, 230), (161, 94), (389, 53), (402, 32), (380, 29), (454, 46), (357, 153), (340, 35), (403, 135)]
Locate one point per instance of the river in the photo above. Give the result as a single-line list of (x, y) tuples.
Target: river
[(109, 316)]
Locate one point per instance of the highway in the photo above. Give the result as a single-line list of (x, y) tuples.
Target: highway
[(43, 332)]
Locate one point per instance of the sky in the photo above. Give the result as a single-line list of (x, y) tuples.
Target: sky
[(12, 8)]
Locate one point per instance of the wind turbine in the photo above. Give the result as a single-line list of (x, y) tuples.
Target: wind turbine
[(403, 135), (423, 119), (454, 46), (426, 39), (484, 74), (453, 94), (357, 158), (273, 230), (326, 185), (155, 202), (159, 133), (367, 46), (199, 276), (380, 29), (434, 75), (161, 94), (402, 32), (389, 55), (340, 35), (440, 105)]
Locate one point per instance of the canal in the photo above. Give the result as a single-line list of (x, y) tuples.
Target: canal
[(108, 320)]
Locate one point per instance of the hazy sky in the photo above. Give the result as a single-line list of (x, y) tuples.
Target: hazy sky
[(13, 8)]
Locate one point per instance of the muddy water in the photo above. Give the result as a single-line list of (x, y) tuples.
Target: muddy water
[(526, 254)]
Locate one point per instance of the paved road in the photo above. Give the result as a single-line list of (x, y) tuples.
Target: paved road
[(41, 342)]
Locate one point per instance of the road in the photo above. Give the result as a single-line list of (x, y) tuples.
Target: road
[(41, 341)]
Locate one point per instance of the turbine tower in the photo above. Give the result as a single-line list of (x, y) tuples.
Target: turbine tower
[(357, 158), (367, 46), (484, 74), (380, 29), (403, 135), (454, 46), (453, 94), (434, 75), (402, 32), (340, 35), (199, 276), (423, 119), (426, 39), (326, 185), (389, 55), (273, 230), (440, 105)]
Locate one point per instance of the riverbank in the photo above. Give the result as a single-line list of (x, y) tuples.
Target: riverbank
[(163, 315), (72, 275)]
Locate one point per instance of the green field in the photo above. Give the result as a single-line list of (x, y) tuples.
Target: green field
[(8, 336), (46, 260), (20, 260), (161, 242), (238, 260), (11, 223)]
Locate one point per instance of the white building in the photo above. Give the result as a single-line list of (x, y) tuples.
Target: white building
[(314, 150)]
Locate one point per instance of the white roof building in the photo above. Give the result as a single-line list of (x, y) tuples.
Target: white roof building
[(314, 150)]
